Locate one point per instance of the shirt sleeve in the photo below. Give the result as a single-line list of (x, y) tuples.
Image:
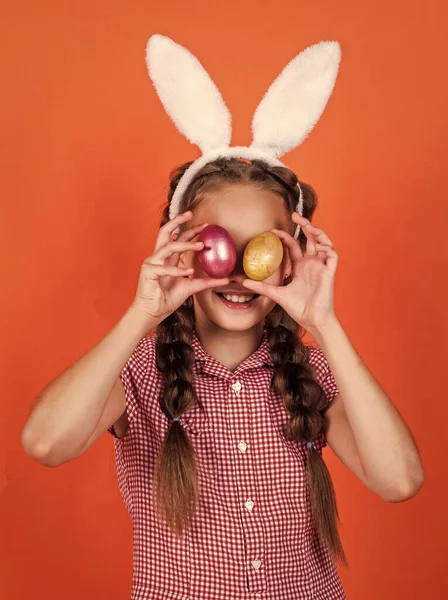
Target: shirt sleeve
[(133, 376), (324, 374), (327, 382)]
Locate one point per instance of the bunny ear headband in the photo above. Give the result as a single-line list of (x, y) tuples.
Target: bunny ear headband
[(286, 114)]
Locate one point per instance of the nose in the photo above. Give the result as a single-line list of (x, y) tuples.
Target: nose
[(238, 273)]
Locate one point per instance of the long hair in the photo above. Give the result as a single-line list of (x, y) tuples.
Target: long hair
[(175, 482)]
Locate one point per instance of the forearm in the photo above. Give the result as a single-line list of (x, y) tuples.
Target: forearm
[(69, 408), (385, 444)]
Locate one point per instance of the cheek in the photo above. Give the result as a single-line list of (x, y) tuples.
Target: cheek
[(190, 259), (276, 278)]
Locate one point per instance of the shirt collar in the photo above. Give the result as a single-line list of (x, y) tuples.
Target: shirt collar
[(208, 364)]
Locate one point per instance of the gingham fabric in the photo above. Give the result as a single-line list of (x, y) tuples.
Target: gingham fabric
[(252, 536)]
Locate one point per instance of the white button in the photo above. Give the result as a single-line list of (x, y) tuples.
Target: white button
[(256, 564), (242, 446), (236, 387), (249, 505)]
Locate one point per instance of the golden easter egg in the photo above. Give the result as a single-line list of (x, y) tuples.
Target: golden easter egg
[(262, 256)]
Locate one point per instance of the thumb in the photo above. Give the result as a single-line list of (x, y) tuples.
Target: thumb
[(198, 284), (263, 288)]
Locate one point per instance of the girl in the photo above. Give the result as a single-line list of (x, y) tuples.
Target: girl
[(223, 412), (219, 417)]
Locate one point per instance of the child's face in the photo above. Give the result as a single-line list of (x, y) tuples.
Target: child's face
[(244, 211)]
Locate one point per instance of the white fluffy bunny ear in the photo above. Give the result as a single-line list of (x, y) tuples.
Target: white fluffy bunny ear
[(296, 99), (189, 95)]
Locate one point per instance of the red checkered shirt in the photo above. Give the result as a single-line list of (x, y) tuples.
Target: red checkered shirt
[(252, 536)]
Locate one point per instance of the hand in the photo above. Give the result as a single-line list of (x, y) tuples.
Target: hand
[(309, 298), (163, 286)]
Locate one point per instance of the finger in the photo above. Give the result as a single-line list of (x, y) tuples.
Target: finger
[(310, 243), (263, 288), (165, 232), (198, 284), (187, 235), (168, 249), (190, 233), (292, 244), (321, 256), (319, 234), (154, 272), (305, 224), (330, 254)]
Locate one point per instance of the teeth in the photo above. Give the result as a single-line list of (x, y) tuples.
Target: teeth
[(238, 299)]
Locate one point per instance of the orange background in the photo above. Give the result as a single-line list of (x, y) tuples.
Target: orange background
[(86, 152)]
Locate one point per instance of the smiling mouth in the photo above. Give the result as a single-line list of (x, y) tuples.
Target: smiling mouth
[(243, 299)]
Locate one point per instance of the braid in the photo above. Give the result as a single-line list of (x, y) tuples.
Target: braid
[(294, 379), (175, 359)]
